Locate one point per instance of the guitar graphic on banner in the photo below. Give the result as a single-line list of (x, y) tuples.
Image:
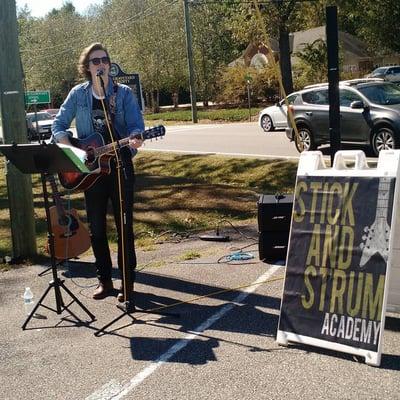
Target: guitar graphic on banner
[(98, 157), (71, 236), (376, 237)]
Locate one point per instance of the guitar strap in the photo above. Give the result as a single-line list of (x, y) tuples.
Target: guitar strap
[(112, 101)]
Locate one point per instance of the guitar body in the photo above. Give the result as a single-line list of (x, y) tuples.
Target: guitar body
[(71, 236), (98, 167), (98, 157)]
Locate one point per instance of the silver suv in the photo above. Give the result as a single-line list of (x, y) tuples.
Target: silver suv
[(369, 115), (390, 73)]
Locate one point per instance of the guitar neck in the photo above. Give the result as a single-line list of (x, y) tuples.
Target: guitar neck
[(56, 195), (111, 147)]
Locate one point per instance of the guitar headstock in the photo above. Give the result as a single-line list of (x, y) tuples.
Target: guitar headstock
[(151, 133)]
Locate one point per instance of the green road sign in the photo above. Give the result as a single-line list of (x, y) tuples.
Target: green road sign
[(37, 97)]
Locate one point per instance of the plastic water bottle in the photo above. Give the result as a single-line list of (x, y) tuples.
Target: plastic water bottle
[(28, 300)]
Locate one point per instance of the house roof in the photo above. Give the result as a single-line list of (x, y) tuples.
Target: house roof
[(350, 45)]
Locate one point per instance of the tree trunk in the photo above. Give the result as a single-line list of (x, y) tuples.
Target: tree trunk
[(284, 59), (155, 101)]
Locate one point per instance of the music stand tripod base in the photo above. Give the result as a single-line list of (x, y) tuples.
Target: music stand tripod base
[(47, 159)]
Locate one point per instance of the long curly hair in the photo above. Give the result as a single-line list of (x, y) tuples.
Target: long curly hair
[(83, 63)]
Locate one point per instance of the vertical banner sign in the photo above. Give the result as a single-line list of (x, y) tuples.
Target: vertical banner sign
[(337, 262), (132, 80)]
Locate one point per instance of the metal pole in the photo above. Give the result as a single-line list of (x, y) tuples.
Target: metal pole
[(190, 61), (333, 79)]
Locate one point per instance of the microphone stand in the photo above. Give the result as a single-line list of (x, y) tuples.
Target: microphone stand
[(128, 306)]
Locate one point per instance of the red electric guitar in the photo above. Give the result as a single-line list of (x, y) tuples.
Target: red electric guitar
[(98, 157), (71, 236)]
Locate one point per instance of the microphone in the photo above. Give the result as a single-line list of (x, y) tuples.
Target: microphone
[(100, 72)]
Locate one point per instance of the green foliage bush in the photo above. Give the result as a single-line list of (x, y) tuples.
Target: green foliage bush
[(229, 115), (232, 84)]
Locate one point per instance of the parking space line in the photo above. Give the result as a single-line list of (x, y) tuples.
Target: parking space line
[(113, 389)]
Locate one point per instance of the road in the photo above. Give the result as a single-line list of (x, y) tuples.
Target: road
[(233, 139)]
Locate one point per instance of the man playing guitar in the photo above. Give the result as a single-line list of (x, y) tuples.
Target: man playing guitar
[(111, 110)]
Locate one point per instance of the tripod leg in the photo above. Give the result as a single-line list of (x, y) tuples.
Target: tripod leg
[(36, 307), (78, 301), (110, 323)]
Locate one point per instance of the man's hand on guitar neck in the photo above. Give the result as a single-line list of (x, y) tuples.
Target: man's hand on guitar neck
[(135, 142)]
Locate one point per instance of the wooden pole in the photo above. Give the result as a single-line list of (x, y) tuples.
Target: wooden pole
[(12, 111)]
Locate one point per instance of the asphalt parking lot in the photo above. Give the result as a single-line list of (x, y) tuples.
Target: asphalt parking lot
[(220, 346)]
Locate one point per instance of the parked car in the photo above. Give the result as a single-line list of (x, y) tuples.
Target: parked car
[(389, 73), (275, 117), (369, 111), (52, 111), (44, 122)]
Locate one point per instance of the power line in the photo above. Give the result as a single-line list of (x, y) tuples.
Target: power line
[(143, 14)]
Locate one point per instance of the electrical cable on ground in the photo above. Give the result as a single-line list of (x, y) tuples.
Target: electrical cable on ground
[(189, 301)]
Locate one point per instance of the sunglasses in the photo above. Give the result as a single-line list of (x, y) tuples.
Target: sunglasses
[(98, 60)]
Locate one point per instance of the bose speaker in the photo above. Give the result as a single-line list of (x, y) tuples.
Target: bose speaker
[(274, 216)]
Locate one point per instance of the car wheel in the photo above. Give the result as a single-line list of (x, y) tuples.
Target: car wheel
[(266, 123), (304, 141), (383, 139)]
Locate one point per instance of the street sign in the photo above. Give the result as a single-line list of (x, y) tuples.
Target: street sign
[(37, 97)]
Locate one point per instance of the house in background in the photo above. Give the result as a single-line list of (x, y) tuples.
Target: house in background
[(356, 57)]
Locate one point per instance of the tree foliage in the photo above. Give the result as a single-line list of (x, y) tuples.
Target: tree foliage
[(148, 37)]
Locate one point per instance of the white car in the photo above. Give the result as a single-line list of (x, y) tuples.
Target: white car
[(42, 121), (275, 117), (390, 73)]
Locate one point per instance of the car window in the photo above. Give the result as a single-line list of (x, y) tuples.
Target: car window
[(385, 94), (316, 96), (396, 70), (40, 117), (380, 70), (292, 98), (347, 97)]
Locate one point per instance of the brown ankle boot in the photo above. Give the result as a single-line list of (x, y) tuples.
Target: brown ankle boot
[(103, 290)]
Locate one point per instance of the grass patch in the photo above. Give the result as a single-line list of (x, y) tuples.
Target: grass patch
[(227, 115), (190, 255), (175, 194)]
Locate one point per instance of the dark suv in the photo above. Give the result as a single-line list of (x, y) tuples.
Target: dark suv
[(369, 114)]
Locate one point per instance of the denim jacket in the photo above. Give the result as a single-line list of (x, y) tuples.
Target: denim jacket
[(78, 105)]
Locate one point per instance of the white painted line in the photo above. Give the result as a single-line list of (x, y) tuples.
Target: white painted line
[(113, 389), (222, 153)]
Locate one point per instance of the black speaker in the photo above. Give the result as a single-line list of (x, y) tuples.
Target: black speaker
[(272, 245), (274, 216)]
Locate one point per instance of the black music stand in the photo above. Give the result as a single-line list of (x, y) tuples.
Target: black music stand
[(47, 159)]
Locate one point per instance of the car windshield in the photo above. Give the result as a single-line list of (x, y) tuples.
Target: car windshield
[(381, 70), (381, 94), (40, 117)]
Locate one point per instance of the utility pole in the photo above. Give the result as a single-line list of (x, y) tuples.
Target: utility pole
[(192, 83), (12, 109)]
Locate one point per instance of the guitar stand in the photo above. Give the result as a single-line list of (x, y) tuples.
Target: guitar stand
[(127, 309), (55, 283)]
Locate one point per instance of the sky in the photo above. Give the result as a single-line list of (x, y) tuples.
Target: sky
[(39, 8)]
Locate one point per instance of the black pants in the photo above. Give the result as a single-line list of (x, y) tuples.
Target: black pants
[(97, 197)]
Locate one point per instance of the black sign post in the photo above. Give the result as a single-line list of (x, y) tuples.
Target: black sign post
[(132, 80)]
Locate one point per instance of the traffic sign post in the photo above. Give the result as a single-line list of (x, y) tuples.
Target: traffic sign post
[(37, 97)]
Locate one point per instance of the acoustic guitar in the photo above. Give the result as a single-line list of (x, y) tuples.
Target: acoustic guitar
[(71, 236), (98, 157)]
